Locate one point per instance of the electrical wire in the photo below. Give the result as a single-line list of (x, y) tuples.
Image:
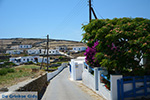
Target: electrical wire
[(74, 12), (98, 12)]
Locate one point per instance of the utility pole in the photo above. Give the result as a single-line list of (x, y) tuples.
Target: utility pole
[(2, 50), (90, 12), (43, 58), (47, 50), (90, 15)]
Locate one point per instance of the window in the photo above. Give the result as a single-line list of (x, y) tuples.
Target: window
[(23, 59), (45, 59)]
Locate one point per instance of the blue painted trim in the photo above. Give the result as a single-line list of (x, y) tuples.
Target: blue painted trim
[(105, 77), (86, 64), (134, 87), (133, 80), (70, 68), (145, 85), (91, 67), (122, 90), (118, 89)]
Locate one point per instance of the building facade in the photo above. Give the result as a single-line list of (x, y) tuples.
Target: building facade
[(14, 52), (50, 52), (78, 49), (33, 51), (35, 59), (25, 46)]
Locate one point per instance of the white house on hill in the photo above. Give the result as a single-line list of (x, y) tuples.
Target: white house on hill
[(78, 49), (14, 52), (62, 48), (25, 46), (26, 59), (33, 51), (50, 52)]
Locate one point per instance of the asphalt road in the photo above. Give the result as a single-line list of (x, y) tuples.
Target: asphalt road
[(61, 88)]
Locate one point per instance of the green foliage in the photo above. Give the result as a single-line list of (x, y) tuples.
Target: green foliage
[(59, 63), (29, 66), (4, 71), (28, 63), (8, 64), (60, 58), (120, 41), (2, 60), (20, 71), (10, 70)]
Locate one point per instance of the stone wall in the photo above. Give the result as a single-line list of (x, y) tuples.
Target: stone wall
[(38, 85)]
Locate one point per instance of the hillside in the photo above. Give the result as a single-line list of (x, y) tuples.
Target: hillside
[(6, 44)]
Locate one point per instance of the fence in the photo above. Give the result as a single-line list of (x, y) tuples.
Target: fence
[(120, 87), (129, 87), (93, 81)]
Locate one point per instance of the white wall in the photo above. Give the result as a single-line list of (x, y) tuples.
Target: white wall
[(88, 79), (14, 51), (61, 48), (29, 58), (76, 49), (33, 51), (77, 68), (51, 51), (53, 74), (44, 60)]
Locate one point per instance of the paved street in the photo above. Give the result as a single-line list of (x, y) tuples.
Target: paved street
[(61, 88)]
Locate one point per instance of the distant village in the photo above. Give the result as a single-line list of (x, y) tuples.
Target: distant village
[(23, 53)]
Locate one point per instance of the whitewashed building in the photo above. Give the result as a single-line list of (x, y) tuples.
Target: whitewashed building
[(33, 51), (50, 52), (26, 59), (78, 49), (14, 47), (25, 46), (14, 52), (61, 48)]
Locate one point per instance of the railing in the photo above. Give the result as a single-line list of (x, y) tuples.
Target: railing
[(135, 91), (104, 79), (90, 69), (86, 65)]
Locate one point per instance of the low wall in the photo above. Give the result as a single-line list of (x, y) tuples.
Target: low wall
[(104, 92), (54, 73), (38, 85), (88, 79)]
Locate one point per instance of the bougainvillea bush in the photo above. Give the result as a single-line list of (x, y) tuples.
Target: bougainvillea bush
[(90, 55), (118, 44)]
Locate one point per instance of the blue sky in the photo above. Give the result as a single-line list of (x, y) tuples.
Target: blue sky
[(61, 19)]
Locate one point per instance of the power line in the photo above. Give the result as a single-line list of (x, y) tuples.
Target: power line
[(74, 12), (98, 12)]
